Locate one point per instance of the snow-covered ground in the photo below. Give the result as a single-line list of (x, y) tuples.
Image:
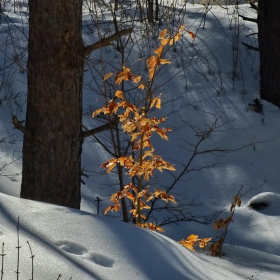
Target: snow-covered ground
[(203, 93)]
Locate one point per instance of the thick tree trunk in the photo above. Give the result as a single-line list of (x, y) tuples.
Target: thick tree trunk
[(52, 146), (269, 44)]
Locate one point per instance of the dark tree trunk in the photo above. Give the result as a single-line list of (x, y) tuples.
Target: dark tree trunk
[(269, 44), (52, 146), (150, 4)]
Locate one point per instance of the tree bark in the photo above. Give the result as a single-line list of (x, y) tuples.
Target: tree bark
[(269, 43), (52, 146)]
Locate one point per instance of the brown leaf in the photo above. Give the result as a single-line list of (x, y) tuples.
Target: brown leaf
[(113, 107), (191, 34)]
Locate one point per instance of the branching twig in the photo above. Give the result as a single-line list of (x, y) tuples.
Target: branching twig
[(250, 47), (98, 129), (18, 125), (106, 41)]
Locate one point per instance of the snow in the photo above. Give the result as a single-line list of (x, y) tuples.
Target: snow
[(85, 246), (203, 92)]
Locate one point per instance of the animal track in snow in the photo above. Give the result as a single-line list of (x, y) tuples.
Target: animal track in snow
[(99, 259), (71, 247), (81, 251)]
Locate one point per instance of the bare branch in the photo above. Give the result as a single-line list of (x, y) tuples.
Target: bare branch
[(250, 47), (249, 19), (18, 125), (98, 129), (106, 41)]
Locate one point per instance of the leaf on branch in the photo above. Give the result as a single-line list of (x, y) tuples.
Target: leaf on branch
[(107, 76), (119, 94), (111, 108), (156, 101), (151, 226), (203, 242), (142, 86), (182, 27), (162, 133), (112, 208), (171, 41), (190, 242), (130, 196), (152, 62), (109, 165), (151, 73), (239, 202), (191, 34), (97, 112), (162, 33), (164, 41), (137, 79), (177, 37), (164, 61), (125, 75), (159, 50)]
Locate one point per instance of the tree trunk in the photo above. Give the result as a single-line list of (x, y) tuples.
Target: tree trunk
[(52, 146), (269, 43), (150, 4)]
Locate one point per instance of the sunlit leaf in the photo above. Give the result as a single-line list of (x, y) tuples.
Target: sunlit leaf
[(164, 61), (159, 50), (119, 94), (107, 76), (164, 41), (137, 79), (162, 33), (97, 112)]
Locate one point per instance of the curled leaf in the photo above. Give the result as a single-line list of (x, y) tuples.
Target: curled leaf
[(107, 76)]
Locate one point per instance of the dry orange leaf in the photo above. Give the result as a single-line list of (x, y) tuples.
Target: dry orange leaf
[(97, 112), (112, 208), (142, 86), (159, 50), (107, 76), (164, 61), (137, 79), (119, 94), (177, 37), (164, 41), (162, 33)]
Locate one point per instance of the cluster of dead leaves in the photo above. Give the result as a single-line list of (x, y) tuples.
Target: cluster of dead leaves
[(130, 191), (216, 247), (151, 226), (193, 240), (136, 123)]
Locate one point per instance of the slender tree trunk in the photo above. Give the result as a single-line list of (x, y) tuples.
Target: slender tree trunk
[(269, 44), (52, 146), (150, 4)]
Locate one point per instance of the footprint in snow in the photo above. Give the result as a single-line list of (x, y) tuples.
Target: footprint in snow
[(82, 252)]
